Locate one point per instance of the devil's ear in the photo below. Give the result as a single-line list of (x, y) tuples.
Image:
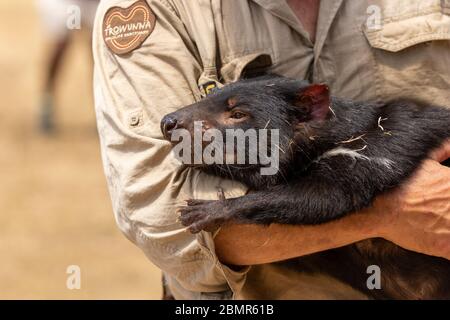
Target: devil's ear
[(314, 102)]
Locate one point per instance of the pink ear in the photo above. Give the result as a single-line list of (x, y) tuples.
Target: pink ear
[(316, 100)]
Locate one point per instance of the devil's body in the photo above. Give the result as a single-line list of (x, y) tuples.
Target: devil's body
[(331, 166)]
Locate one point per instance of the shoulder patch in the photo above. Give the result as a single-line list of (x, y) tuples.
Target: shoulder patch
[(126, 29)]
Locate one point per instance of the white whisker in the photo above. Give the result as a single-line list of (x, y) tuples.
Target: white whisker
[(379, 123), (353, 139)]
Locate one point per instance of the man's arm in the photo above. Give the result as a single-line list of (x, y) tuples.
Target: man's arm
[(249, 244), (416, 217), (133, 91)]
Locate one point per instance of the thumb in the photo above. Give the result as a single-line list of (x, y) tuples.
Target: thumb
[(442, 153)]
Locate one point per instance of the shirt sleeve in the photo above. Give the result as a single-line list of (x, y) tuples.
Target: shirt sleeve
[(132, 93)]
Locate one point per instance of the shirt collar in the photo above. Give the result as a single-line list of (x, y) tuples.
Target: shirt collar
[(327, 12), (281, 9)]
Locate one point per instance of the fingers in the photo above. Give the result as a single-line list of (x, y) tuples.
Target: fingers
[(441, 154), (429, 168)]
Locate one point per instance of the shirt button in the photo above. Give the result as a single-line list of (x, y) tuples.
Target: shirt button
[(135, 120)]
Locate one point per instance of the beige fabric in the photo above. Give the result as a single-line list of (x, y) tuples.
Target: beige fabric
[(407, 54)]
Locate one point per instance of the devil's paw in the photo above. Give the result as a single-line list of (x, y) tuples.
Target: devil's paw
[(206, 215)]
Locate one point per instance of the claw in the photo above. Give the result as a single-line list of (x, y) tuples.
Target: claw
[(194, 202), (194, 229), (220, 194), (200, 215)]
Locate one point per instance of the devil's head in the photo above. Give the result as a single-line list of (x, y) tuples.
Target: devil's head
[(266, 106)]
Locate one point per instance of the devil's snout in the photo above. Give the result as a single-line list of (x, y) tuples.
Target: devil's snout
[(168, 124)]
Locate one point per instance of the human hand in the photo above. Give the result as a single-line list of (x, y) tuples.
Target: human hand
[(417, 215)]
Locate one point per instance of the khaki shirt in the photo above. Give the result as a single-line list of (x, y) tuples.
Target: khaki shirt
[(363, 50)]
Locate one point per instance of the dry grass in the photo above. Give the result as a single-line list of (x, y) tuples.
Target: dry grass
[(54, 206)]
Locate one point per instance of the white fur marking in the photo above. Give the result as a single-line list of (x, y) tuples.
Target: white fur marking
[(354, 154), (341, 151), (388, 163)]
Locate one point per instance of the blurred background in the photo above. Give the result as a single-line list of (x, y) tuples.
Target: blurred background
[(54, 205)]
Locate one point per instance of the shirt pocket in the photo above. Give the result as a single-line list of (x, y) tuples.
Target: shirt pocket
[(411, 48)]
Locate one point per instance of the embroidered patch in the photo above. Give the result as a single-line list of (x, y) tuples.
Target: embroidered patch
[(125, 29)]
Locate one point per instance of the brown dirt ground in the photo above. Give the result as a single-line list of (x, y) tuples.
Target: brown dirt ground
[(54, 206)]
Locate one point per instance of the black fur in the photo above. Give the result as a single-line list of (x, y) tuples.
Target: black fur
[(387, 142)]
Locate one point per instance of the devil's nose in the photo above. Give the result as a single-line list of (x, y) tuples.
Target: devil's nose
[(168, 124)]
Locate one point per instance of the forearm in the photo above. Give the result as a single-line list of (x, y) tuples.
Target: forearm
[(415, 217), (239, 244)]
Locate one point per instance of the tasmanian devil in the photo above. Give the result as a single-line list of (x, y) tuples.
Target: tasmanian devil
[(335, 157)]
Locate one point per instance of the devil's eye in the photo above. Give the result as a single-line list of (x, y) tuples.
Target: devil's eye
[(238, 115)]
